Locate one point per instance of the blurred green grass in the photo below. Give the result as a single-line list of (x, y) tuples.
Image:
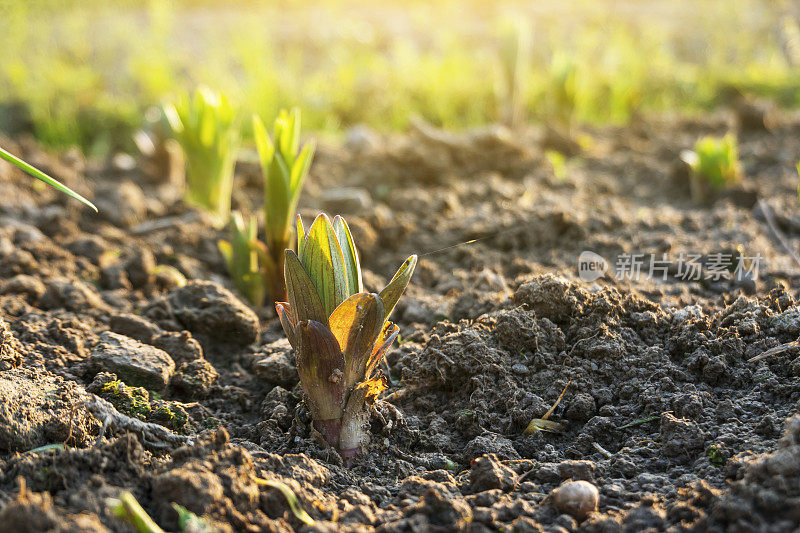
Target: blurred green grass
[(85, 72)]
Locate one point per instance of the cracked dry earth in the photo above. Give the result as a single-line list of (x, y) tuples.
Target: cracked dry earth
[(122, 343)]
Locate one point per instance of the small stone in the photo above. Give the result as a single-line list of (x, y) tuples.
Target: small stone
[(576, 469), (488, 472), (123, 204), (135, 363), (140, 267), (31, 287), (92, 247), (195, 379), (180, 345), (581, 408), (275, 366), (74, 296), (576, 498), (520, 369), (208, 309), (490, 443), (134, 326)]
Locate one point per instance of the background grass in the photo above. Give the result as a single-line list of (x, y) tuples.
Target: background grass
[(85, 72)]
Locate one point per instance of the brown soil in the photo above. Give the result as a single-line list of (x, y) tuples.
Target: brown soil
[(666, 412)]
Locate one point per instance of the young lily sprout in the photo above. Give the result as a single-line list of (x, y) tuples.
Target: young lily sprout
[(242, 260), (340, 332), (205, 126), (285, 167), (715, 165)]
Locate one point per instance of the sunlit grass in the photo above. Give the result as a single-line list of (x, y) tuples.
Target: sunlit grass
[(87, 69)]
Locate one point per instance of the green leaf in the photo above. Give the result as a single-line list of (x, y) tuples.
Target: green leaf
[(356, 324), (300, 167), (321, 365), (290, 135), (387, 336), (128, 509), (323, 260), (294, 505), (266, 149), (301, 236), (351, 261), (190, 522), (288, 322), (226, 250), (38, 174), (303, 297), (205, 125), (394, 290)]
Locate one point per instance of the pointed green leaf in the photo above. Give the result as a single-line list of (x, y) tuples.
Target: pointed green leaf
[(301, 237), (290, 135), (300, 167), (294, 505), (320, 364), (351, 261), (38, 174), (394, 290), (288, 321), (324, 262), (385, 339), (173, 118), (303, 297), (226, 250), (263, 143), (356, 324), (277, 204)]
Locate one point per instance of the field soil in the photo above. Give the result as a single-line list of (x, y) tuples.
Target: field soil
[(128, 362)]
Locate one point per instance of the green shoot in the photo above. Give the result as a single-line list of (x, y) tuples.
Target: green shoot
[(715, 165), (563, 93), (339, 332), (241, 259), (190, 522), (290, 496), (515, 48), (36, 173), (128, 509), (205, 126), (285, 166), (558, 162)]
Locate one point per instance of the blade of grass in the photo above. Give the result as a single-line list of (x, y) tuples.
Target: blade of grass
[(290, 496), (38, 174), (128, 509)]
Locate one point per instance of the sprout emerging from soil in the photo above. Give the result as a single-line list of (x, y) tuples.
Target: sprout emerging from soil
[(715, 165), (515, 55), (38, 174), (563, 96), (242, 260), (205, 125), (285, 166), (339, 332)]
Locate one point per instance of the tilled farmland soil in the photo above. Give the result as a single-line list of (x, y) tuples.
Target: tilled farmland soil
[(123, 344)]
